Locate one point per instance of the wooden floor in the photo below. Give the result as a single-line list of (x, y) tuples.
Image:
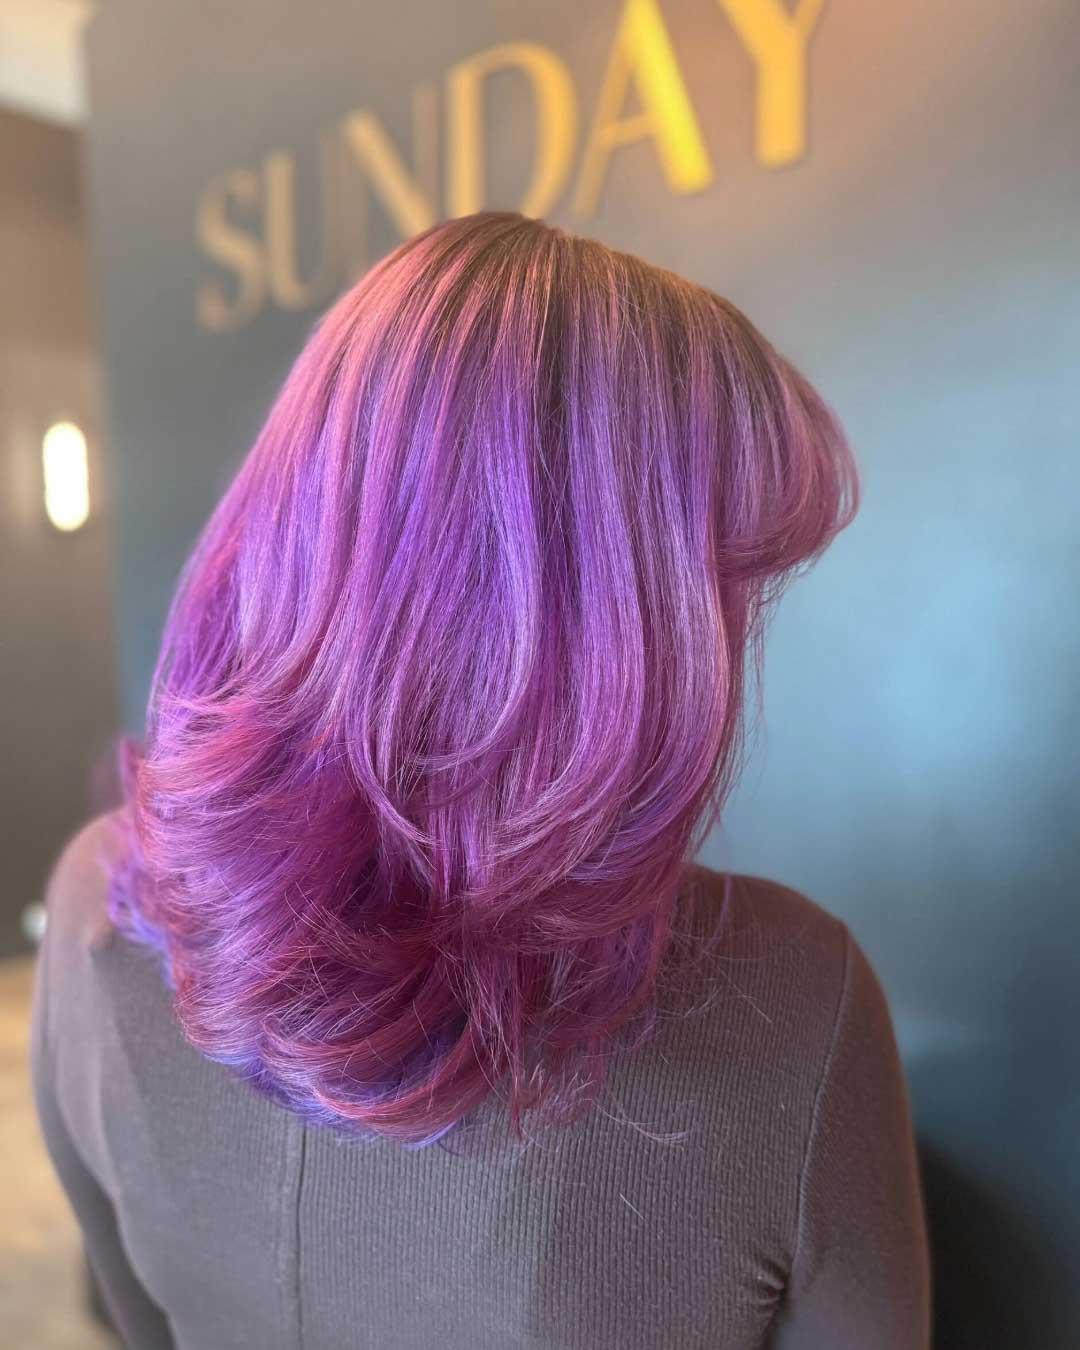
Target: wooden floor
[(42, 1289)]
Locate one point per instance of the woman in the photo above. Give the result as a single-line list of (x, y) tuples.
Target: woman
[(389, 1009)]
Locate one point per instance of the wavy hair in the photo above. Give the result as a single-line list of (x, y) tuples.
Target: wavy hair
[(451, 686)]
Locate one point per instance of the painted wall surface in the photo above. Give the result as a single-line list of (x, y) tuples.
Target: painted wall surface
[(890, 191), (57, 668)]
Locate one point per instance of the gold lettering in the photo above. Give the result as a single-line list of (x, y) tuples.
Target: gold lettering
[(642, 62), (408, 197), (233, 248), (777, 39), (642, 52), (281, 229), (556, 128)]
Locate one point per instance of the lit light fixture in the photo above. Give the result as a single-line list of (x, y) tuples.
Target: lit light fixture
[(34, 920), (67, 476)]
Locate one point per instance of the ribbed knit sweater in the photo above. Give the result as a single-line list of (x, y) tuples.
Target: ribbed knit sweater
[(749, 1179)]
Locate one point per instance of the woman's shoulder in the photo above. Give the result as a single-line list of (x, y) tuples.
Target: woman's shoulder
[(76, 905), (771, 978), (772, 904), (764, 926), (89, 973)]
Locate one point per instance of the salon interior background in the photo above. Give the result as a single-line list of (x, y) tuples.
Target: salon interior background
[(890, 191)]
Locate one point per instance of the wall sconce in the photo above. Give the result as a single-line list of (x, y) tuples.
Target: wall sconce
[(66, 475)]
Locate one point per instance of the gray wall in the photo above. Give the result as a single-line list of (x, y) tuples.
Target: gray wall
[(57, 672), (915, 770)]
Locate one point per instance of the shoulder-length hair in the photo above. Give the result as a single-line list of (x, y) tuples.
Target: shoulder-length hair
[(451, 686)]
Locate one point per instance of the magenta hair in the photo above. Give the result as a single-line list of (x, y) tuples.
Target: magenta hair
[(452, 683)]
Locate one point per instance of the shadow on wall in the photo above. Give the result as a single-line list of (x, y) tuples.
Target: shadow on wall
[(973, 1237), (997, 1115)]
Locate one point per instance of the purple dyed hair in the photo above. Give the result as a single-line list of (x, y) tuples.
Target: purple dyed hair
[(451, 687)]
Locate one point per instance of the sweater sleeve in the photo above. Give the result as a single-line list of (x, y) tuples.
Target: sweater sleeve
[(139, 1320), (860, 1278)]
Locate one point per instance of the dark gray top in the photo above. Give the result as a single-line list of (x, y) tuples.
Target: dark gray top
[(749, 1181)]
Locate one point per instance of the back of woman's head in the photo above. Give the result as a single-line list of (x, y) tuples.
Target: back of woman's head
[(452, 683)]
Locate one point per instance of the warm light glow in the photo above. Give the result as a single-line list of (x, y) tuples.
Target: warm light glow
[(67, 478)]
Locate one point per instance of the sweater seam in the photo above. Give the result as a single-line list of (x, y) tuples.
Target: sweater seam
[(293, 1160), (297, 1226), (811, 1137)]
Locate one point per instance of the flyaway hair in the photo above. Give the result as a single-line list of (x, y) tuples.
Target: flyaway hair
[(451, 686)]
